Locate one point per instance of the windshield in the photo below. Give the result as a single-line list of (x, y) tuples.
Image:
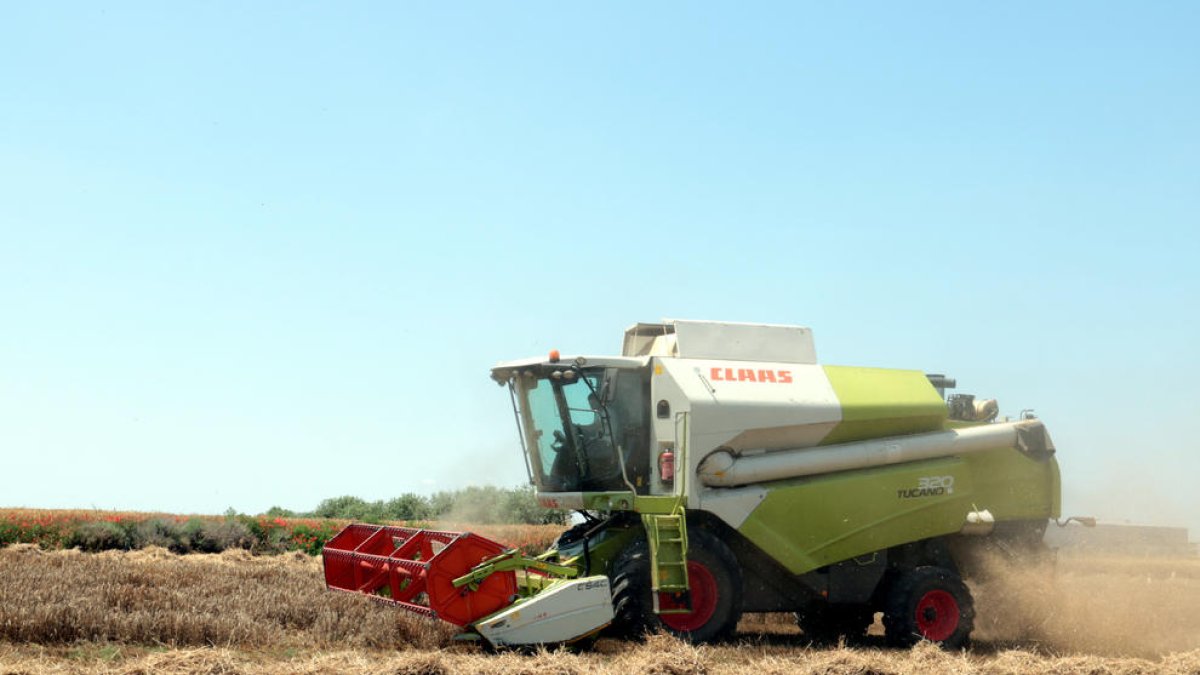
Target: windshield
[(570, 429)]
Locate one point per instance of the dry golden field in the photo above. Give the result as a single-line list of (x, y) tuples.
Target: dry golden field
[(151, 611)]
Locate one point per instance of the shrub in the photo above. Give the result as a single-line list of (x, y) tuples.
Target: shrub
[(487, 505), (99, 535), (227, 534), (311, 538), (347, 506), (267, 535), (214, 536), (407, 506), (521, 506), (46, 529), (492, 505), (10, 533), (159, 532)]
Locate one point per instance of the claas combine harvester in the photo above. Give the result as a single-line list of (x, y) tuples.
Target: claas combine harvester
[(718, 469)]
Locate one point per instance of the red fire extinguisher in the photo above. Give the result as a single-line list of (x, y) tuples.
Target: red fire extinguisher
[(666, 465)]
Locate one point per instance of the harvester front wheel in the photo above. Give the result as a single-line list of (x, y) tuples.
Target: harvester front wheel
[(716, 585), (929, 603)]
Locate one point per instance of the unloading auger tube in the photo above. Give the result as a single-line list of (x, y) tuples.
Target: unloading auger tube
[(724, 468)]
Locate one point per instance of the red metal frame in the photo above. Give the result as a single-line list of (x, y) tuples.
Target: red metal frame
[(415, 569)]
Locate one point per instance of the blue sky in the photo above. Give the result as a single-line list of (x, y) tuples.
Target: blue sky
[(259, 255)]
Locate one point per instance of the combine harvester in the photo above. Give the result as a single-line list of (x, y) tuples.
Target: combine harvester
[(719, 470)]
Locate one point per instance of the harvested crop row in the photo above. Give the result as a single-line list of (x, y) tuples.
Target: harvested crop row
[(153, 611), (228, 599), (660, 654)]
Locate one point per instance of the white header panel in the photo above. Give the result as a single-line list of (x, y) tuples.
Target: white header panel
[(721, 340), (744, 342)]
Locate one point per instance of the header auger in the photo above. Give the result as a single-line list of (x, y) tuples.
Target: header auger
[(719, 469)]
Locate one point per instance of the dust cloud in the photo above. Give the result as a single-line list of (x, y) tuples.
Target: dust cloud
[(1107, 605)]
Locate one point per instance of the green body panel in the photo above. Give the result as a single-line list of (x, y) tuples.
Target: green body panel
[(878, 402), (657, 505), (1014, 486), (602, 555), (1056, 494), (810, 522), (608, 501)]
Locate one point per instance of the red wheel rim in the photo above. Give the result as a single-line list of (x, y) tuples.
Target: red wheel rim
[(703, 587), (937, 615)]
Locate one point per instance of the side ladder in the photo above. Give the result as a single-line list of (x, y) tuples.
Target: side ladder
[(664, 519)]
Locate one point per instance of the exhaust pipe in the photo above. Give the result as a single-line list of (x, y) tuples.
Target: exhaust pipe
[(725, 469)]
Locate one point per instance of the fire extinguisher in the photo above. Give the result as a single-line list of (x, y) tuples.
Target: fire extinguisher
[(666, 465)]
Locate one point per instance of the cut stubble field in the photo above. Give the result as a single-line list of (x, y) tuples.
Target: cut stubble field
[(152, 611)]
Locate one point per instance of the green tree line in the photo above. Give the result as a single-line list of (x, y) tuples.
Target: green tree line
[(487, 505)]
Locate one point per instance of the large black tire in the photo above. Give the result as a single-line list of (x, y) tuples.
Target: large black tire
[(824, 623), (716, 592), (928, 603)]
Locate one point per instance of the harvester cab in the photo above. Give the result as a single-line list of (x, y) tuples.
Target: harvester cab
[(718, 468)]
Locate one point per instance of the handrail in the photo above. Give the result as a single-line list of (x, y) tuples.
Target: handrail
[(681, 462)]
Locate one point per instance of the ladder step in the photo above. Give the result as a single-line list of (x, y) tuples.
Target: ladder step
[(667, 535)]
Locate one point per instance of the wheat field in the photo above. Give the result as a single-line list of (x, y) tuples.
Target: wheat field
[(152, 611)]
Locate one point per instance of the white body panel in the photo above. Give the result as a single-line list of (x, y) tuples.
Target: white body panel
[(721, 340), (785, 405), (733, 505), (779, 414), (563, 612)]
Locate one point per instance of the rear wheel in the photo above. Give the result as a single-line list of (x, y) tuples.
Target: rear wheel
[(929, 603), (715, 582)]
